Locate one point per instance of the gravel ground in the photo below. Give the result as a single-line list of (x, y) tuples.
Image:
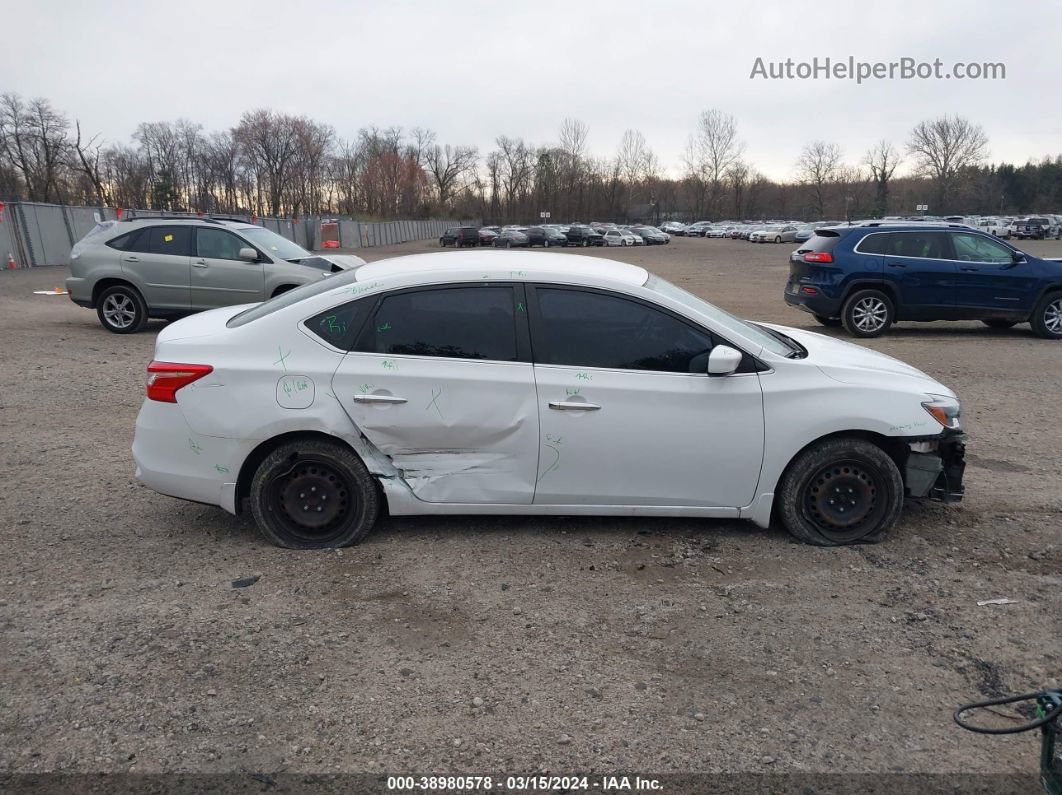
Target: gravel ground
[(514, 644)]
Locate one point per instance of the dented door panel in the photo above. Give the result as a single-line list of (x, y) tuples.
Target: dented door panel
[(457, 430)]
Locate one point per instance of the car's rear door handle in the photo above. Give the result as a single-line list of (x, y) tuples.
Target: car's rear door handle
[(573, 405), (897, 265), (199, 263), (132, 259), (969, 270), (379, 399)]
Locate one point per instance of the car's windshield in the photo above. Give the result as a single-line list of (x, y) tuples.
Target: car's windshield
[(274, 244), (723, 318), (292, 297)]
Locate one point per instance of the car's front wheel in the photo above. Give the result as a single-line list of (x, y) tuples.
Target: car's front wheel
[(840, 491), (121, 309), (313, 494), (1046, 319), (867, 313)]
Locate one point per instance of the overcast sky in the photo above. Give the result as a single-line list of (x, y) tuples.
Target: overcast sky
[(474, 70)]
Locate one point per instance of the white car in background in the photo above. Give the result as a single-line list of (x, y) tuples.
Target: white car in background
[(994, 226), (620, 237), (543, 384)]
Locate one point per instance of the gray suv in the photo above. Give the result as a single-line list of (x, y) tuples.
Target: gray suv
[(129, 271)]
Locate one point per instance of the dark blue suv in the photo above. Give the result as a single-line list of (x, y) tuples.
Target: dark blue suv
[(869, 276)]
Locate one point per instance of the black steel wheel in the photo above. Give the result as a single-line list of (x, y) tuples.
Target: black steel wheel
[(841, 491), (313, 494)]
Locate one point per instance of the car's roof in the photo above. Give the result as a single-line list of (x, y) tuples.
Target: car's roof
[(169, 221), (524, 265)]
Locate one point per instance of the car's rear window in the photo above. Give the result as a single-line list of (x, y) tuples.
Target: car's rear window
[(291, 297), (822, 240)]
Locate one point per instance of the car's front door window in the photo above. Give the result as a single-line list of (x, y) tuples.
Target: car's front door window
[(974, 248), (218, 244), (591, 329)]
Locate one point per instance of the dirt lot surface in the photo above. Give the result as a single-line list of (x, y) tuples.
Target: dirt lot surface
[(514, 644)]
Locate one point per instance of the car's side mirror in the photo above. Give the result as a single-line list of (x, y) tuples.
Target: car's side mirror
[(723, 360), (248, 254), (1017, 256)]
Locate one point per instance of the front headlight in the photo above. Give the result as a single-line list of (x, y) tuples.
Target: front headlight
[(945, 410)]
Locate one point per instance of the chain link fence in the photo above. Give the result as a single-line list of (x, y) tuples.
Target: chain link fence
[(34, 234)]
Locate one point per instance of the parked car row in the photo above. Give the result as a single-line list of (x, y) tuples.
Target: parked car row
[(550, 235)]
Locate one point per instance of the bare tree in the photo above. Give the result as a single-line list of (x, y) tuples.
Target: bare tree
[(944, 148), (817, 170), (88, 158), (882, 160), (711, 151), (33, 137), (447, 165)]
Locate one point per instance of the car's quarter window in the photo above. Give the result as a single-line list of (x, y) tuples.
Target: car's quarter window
[(872, 244), (584, 328), (174, 240), (218, 244), (923, 245), (453, 322), (340, 325), (124, 242), (974, 248)]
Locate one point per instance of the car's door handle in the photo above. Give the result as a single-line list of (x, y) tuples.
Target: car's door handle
[(573, 405), (132, 259), (897, 265), (969, 270), (199, 263), (379, 399)]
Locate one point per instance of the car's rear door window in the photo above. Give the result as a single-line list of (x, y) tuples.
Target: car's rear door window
[(596, 329), (454, 322), (920, 245), (171, 240)]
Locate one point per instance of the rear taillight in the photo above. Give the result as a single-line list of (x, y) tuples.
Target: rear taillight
[(818, 256), (165, 378)]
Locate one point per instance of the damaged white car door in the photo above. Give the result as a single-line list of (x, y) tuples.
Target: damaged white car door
[(440, 380), (629, 415)]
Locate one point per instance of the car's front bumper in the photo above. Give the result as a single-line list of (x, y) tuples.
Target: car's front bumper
[(935, 467)]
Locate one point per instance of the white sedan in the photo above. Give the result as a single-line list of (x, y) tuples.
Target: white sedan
[(524, 383)]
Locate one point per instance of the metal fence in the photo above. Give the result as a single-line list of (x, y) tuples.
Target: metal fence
[(33, 234)]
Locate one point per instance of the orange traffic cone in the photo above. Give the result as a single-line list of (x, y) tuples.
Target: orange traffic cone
[(11, 265)]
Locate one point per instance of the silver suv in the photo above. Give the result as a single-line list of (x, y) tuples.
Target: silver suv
[(129, 271)]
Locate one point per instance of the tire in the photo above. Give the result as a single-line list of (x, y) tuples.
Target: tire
[(442, 243), (1046, 319), (829, 322), (867, 314), (121, 309), (313, 470), (545, 244), (623, 242), (777, 239), (509, 244), (840, 491), (586, 242), (1000, 324)]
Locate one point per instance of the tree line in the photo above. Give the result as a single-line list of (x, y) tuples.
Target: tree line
[(273, 163)]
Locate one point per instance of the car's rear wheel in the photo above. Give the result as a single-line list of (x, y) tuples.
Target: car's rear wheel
[(831, 322), (777, 239), (867, 313), (1000, 324), (840, 491), (545, 244), (1047, 317), (313, 494), (508, 244), (121, 309), (586, 242)]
